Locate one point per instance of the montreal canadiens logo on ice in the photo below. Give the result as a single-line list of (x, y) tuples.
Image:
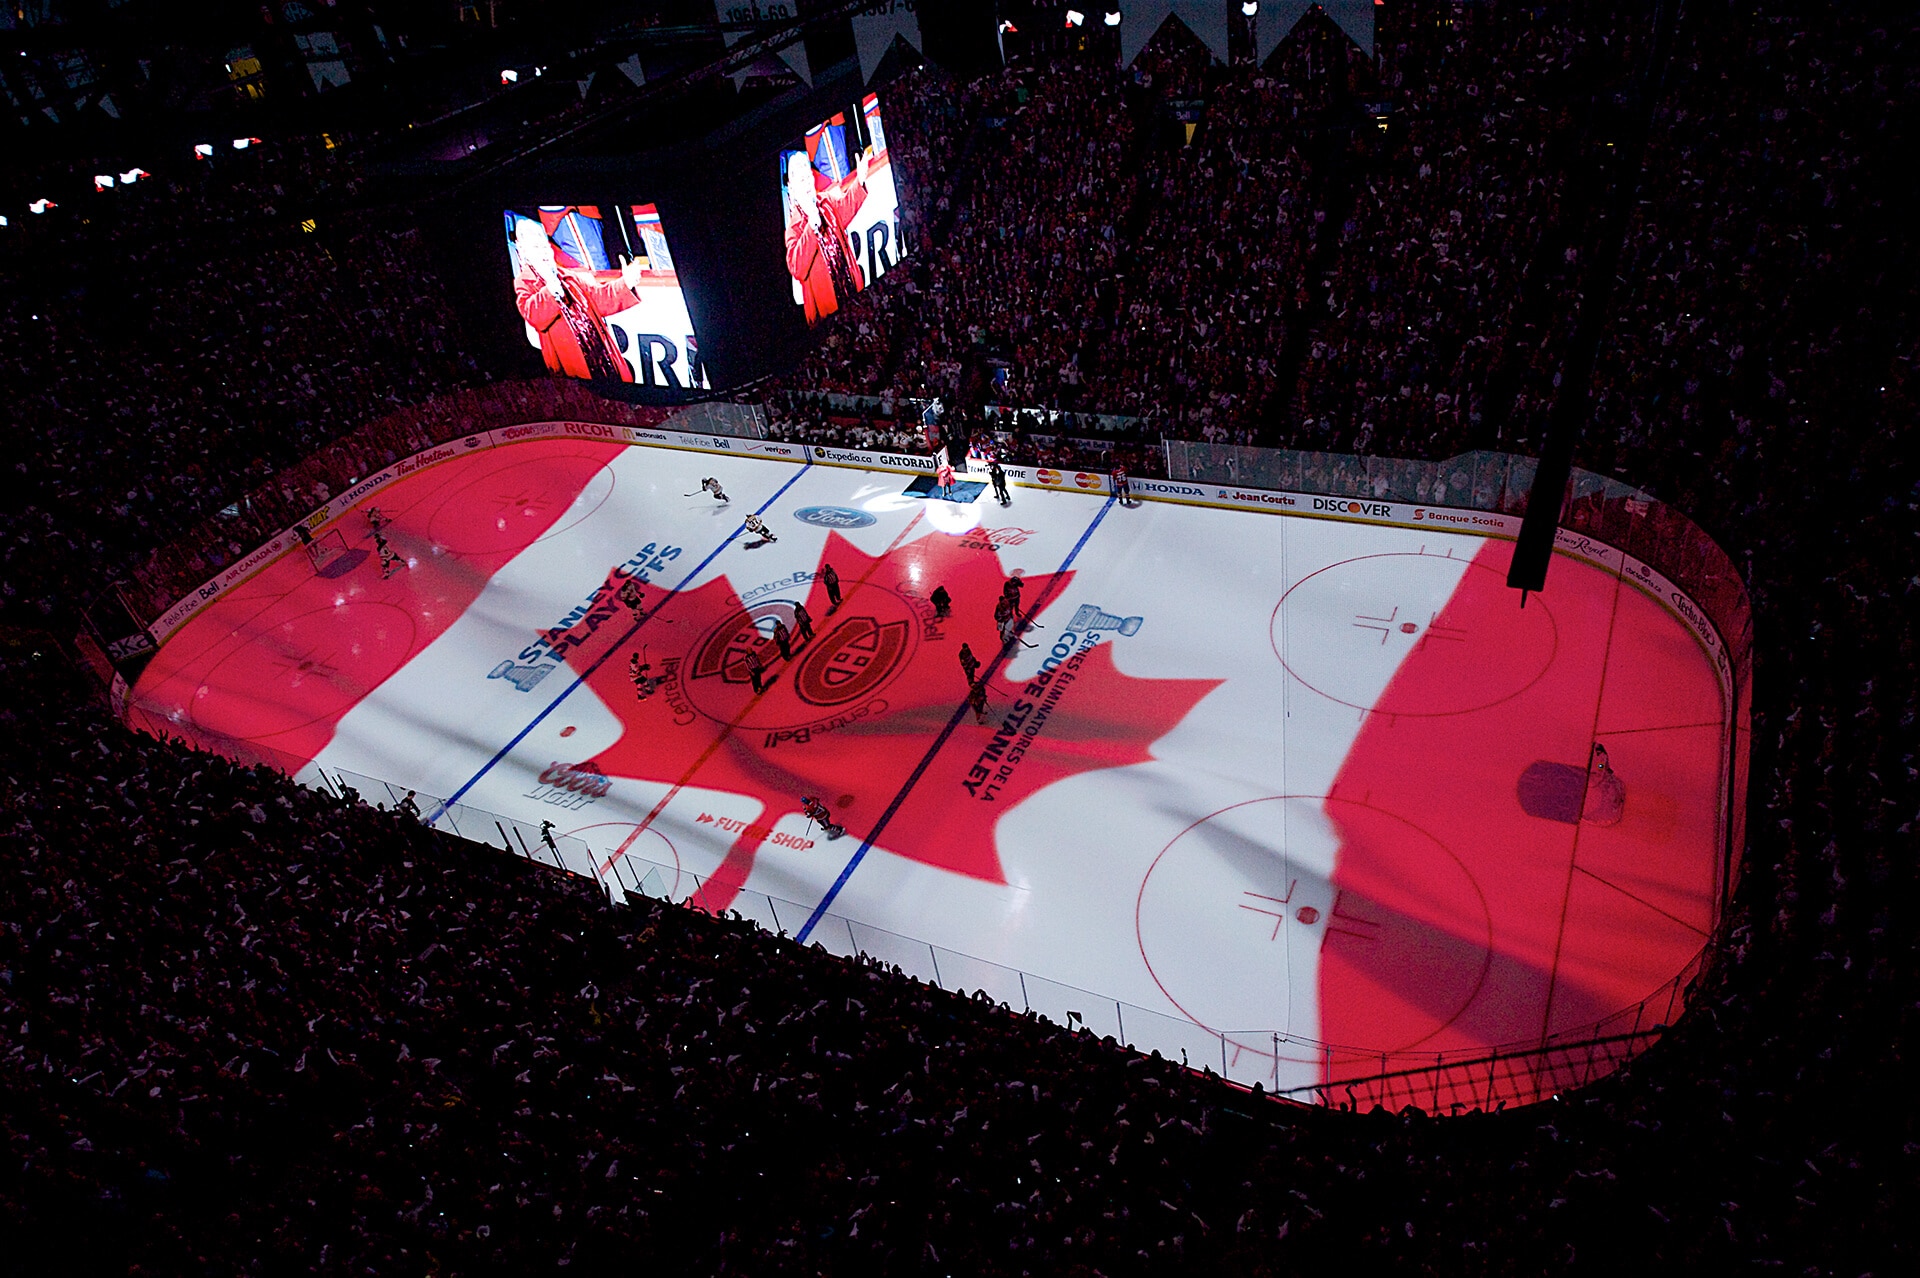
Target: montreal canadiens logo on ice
[(834, 517)]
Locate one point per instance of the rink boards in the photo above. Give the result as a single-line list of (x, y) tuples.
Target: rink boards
[(1319, 778)]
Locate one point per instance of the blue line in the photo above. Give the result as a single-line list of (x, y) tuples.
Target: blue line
[(617, 644), (941, 741)]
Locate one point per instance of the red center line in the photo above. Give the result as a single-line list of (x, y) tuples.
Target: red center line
[(720, 740), (1573, 852)]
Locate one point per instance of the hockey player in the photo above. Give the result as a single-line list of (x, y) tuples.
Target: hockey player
[(631, 595), (1006, 616), (1121, 488), (389, 562), (969, 663), (712, 485), (783, 639), (756, 672), (999, 478), (832, 578), (758, 527), (1606, 798), (641, 672), (817, 813), (942, 602), (977, 698), (376, 520), (1011, 591), (803, 622)]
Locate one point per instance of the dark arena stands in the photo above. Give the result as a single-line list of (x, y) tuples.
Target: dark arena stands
[(257, 1025)]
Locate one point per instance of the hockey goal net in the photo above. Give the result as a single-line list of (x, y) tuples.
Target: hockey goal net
[(326, 548)]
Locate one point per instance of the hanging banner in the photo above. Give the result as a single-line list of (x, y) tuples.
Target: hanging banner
[(762, 11), (1141, 21), (1355, 17), (877, 26), (1275, 22)]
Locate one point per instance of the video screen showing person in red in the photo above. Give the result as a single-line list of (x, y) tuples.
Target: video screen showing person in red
[(600, 297), (843, 227)]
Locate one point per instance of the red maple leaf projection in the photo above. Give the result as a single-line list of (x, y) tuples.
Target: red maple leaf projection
[(855, 711)]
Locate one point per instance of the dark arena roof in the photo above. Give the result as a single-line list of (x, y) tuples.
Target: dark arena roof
[(491, 786)]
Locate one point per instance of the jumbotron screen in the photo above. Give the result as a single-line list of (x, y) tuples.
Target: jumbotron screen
[(842, 212), (597, 292)]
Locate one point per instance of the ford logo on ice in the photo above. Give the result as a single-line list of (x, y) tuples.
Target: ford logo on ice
[(834, 517)]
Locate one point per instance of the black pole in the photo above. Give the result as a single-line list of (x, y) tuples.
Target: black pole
[(1616, 144)]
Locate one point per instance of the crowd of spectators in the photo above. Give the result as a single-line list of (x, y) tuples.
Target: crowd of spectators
[(251, 1028), (1425, 282), (184, 342), (882, 426), (1042, 183), (1200, 308), (1307, 253), (248, 1028)]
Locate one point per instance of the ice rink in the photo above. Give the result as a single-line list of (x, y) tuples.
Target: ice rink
[(1264, 774)]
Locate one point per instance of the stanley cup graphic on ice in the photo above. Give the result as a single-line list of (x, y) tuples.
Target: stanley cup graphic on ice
[(521, 677), (1089, 617)]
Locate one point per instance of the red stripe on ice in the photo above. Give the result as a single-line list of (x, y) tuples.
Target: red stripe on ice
[(1521, 926), (267, 671)]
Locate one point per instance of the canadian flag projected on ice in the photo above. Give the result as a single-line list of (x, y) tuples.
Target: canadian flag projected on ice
[(857, 709), (1359, 814)]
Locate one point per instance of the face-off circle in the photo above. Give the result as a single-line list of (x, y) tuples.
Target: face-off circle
[(651, 851), (297, 679), (1241, 914), (853, 656), (1345, 630), (489, 512)]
